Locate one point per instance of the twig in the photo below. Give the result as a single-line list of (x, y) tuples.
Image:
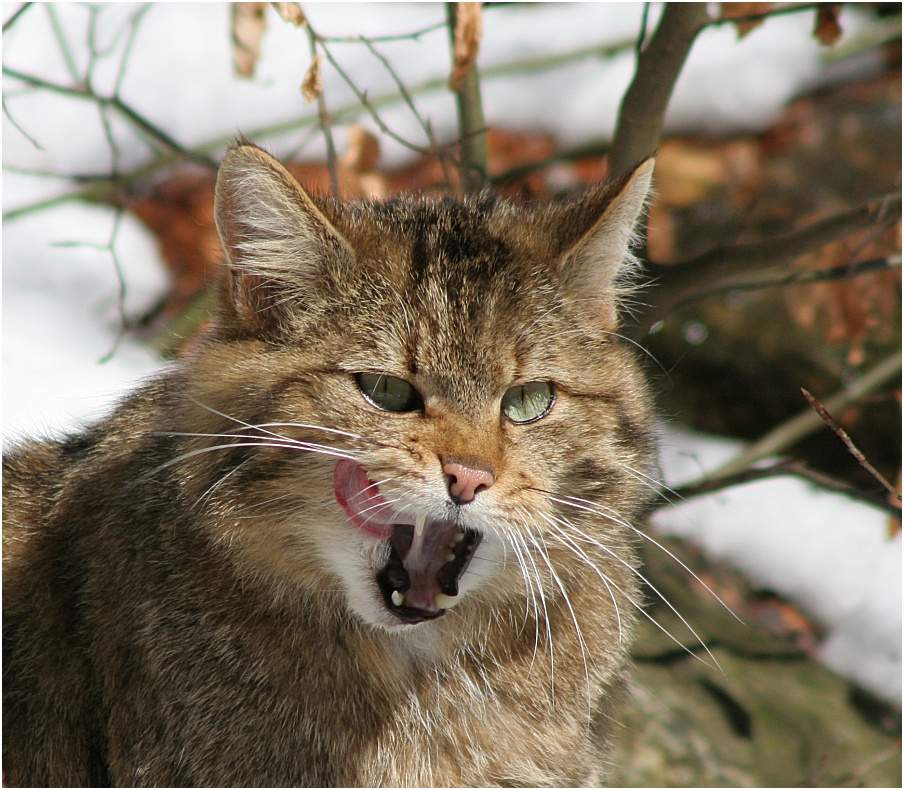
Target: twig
[(802, 277), (797, 427), (842, 434), (470, 119), (121, 287), (585, 151), (19, 128), (791, 467), (16, 15), (641, 114), (121, 107), (406, 96), (323, 117), (362, 97), (62, 42), (99, 191), (722, 267), (415, 35)]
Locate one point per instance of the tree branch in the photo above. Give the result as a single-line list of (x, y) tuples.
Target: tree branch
[(723, 268), (842, 434), (324, 120), (471, 125), (709, 485), (641, 114), (806, 422), (15, 16)]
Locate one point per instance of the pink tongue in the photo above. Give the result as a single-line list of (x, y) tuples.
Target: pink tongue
[(361, 500)]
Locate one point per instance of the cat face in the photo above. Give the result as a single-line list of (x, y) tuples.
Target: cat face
[(442, 417)]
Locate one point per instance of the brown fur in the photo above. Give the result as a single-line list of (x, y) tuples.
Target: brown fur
[(180, 618)]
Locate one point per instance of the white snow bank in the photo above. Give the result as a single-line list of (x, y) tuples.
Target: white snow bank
[(829, 554), (60, 316)]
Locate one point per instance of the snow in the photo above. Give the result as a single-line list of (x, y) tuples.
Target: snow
[(829, 554), (60, 315)]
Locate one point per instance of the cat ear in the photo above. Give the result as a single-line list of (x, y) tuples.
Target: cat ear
[(279, 245), (595, 238)]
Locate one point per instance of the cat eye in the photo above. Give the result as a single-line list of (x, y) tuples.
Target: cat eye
[(388, 392), (528, 402)]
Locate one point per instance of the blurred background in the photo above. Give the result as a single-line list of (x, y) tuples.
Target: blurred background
[(772, 253)]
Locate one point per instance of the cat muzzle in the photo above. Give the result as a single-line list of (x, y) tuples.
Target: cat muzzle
[(427, 558)]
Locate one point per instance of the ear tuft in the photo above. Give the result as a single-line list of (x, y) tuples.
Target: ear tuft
[(277, 242)]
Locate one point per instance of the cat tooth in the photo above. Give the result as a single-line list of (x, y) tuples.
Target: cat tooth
[(458, 538), (397, 598), (450, 556), (443, 601)]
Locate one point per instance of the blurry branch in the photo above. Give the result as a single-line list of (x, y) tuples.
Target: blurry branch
[(104, 190), (62, 42), (117, 104), (19, 128), (725, 268), (406, 96), (643, 107), (16, 15), (465, 84), (779, 10), (806, 422), (642, 35), (842, 434), (783, 469), (414, 35), (121, 290), (585, 151), (324, 119), (844, 271)]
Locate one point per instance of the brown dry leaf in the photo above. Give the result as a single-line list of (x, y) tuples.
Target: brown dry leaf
[(248, 24), (736, 10), (468, 32), (363, 150), (827, 29), (894, 526), (291, 12), (312, 84)]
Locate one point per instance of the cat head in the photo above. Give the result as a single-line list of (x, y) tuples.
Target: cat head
[(433, 400)]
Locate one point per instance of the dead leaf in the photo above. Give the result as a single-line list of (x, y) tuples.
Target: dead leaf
[(468, 32), (248, 24), (827, 29), (363, 150), (739, 10), (291, 12), (312, 84)]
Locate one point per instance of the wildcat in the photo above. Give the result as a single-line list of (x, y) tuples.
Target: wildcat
[(375, 530)]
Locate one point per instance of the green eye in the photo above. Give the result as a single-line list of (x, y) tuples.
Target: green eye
[(388, 392), (528, 402)]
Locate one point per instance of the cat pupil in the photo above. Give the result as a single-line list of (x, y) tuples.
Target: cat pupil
[(528, 402), (388, 392)]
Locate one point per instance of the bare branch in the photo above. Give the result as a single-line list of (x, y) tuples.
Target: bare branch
[(806, 422), (16, 15), (105, 191), (844, 271), (842, 434), (414, 35), (406, 96), (121, 107), (724, 268), (709, 485), (325, 122), (781, 10), (19, 128), (62, 42), (471, 125), (641, 114)]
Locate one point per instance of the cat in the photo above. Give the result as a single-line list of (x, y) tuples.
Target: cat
[(375, 529)]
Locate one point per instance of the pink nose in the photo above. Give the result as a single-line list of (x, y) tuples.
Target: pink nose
[(467, 477)]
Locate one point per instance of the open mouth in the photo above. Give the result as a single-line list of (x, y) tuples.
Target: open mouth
[(426, 558)]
